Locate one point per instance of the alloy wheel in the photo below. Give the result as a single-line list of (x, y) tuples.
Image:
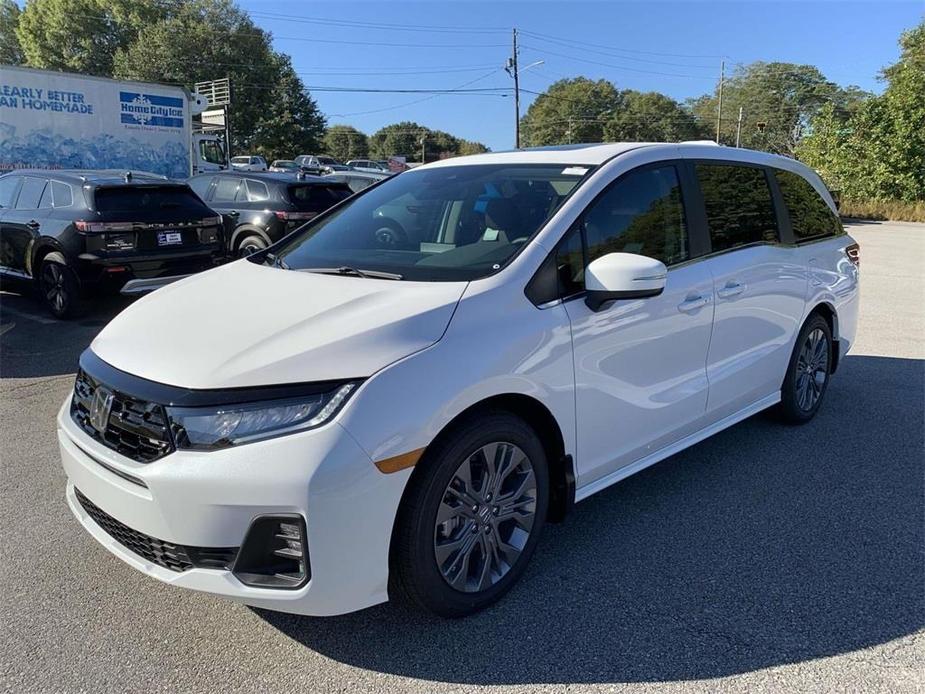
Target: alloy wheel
[(812, 369), (485, 517), (54, 286)]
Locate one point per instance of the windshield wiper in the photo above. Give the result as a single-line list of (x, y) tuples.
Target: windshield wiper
[(276, 261), (354, 272)]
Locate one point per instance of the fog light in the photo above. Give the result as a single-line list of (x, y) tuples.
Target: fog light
[(274, 553)]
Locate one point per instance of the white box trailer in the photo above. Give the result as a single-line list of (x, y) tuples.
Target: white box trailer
[(59, 120)]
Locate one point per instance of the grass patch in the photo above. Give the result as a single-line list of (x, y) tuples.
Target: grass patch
[(887, 210)]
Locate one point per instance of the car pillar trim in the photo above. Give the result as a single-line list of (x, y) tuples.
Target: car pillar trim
[(399, 462)]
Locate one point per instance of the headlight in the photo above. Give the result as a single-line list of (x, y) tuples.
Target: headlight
[(206, 428)]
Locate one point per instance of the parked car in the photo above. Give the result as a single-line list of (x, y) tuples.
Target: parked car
[(315, 164), (284, 166), (369, 165), (350, 415), (249, 163), (69, 232), (356, 180), (262, 208)]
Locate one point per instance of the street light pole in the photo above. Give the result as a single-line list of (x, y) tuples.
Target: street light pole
[(516, 73)]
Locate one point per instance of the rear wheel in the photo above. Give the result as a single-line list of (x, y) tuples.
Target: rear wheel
[(472, 516), (251, 244), (59, 287), (808, 374)]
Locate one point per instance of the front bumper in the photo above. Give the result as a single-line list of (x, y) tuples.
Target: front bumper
[(209, 500)]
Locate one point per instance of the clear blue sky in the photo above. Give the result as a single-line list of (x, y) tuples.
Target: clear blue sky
[(674, 48)]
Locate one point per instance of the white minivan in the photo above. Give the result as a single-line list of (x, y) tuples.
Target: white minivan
[(395, 398)]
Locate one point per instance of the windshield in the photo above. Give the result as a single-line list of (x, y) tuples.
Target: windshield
[(450, 223), (240, 160), (211, 152)]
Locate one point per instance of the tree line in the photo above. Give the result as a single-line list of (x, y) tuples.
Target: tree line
[(868, 147)]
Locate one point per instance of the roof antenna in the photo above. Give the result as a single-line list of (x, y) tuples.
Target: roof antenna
[(128, 176)]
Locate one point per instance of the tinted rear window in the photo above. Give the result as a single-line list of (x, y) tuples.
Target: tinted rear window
[(152, 198), (739, 206), (318, 198), (810, 216)]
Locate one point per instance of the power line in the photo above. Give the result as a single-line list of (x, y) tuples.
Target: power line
[(609, 53), (377, 25), (625, 50), (545, 51)]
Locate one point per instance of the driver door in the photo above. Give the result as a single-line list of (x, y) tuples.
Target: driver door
[(640, 364)]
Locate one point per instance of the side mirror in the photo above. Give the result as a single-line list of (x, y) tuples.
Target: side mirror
[(623, 276)]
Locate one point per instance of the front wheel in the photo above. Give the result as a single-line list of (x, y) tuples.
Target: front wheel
[(808, 373), (472, 516), (250, 245)]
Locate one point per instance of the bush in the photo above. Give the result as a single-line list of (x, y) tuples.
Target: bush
[(892, 210)]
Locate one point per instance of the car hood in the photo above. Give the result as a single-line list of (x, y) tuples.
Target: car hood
[(246, 324)]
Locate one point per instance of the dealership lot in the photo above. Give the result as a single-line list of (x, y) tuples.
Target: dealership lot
[(763, 558)]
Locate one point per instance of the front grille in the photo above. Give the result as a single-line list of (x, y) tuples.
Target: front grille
[(135, 428), (177, 558)]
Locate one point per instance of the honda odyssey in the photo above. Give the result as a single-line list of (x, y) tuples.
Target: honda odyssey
[(395, 398)]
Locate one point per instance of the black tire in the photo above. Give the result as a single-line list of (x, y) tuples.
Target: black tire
[(415, 572), (59, 287), (389, 234), (251, 243), (807, 378)]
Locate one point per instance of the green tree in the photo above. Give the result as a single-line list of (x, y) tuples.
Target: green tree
[(571, 110), (398, 139), (875, 150), (344, 142), (10, 50), (652, 117), (82, 35), (210, 39), (467, 147), (778, 102)]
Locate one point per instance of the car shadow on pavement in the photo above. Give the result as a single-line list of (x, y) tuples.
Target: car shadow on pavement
[(762, 546), (34, 344)]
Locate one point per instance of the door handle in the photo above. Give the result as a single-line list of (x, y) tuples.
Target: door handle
[(731, 289), (32, 224), (693, 303)]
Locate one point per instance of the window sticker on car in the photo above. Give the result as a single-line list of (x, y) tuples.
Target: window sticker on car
[(574, 171), (169, 238)]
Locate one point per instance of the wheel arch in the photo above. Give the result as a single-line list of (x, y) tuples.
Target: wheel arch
[(42, 247), (828, 312), (543, 422), (244, 230)]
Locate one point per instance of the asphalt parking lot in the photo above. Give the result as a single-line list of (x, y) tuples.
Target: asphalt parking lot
[(766, 558)]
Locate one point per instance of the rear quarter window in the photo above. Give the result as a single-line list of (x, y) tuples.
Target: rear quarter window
[(150, 198), (810, 216)]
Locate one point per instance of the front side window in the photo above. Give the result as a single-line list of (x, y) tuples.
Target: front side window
[(641, 213), (810, 217), (8, 186), (451, 223), (739, 207), (211, 152)]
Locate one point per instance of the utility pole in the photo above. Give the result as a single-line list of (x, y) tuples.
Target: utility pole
[(739, 126), (719, 111), (423, 140), (514, 73)]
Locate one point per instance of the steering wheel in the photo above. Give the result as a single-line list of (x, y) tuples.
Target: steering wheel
[(389, 234)]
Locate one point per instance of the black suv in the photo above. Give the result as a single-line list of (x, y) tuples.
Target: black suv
[(72, 231), (264, 207)]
